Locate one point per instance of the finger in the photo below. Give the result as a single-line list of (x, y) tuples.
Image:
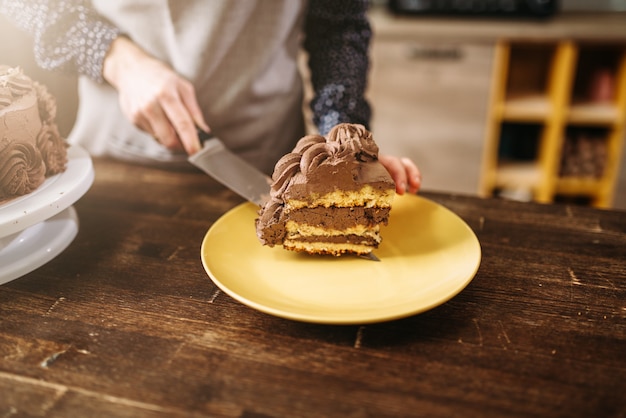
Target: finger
[(136, 115), (397, 171), (143, 124), (161, 127), (181, 120), (188, 96), (413, 174)]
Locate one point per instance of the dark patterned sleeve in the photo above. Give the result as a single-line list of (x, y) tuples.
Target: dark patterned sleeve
[(337, 37), (68, 35)]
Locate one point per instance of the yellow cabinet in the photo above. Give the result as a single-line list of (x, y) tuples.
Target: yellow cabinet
[(556, 121)]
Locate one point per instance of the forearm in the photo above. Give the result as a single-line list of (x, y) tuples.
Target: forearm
[(337, 41), (121, 58), (68, 35)]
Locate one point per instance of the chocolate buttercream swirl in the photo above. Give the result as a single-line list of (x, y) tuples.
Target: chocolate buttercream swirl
[(345, 141), (47, 104), (314, 156), (6, 98), (18, 83), (22, 169), (307, 142), (354, 139), (52, 148), (287, 167)]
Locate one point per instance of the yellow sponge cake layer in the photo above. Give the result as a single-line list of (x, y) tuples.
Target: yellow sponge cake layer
[(367, 197)]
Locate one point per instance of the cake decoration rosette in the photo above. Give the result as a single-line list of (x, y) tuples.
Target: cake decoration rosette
[(21, 169)]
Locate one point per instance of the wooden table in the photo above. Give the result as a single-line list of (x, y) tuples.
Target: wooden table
[(125, 322)]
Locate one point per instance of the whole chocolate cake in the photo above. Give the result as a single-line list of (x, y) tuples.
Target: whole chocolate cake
[(329, 195), (31, 147)]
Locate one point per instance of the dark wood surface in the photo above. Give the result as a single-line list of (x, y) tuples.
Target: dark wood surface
[(126, 323)]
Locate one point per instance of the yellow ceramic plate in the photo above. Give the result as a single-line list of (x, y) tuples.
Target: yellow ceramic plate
[(428, 255)]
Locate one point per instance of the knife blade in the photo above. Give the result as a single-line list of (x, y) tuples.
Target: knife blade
[(231, 170), (235, 173)]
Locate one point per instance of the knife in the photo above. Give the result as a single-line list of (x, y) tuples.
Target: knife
[(231, 170), (235, 173)]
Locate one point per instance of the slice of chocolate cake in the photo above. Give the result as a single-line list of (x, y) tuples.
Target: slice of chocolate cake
[(329, 195)]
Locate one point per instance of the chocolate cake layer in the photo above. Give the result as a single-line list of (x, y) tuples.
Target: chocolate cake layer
[(340, 218), (338, 239)]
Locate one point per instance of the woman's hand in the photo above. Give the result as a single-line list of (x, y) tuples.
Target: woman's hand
[(154, 97), (404, 172)]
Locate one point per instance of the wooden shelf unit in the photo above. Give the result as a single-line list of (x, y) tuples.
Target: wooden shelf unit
[(558, 97)]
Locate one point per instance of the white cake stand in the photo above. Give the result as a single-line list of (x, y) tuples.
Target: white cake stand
[(37, 227), (33, 247)]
